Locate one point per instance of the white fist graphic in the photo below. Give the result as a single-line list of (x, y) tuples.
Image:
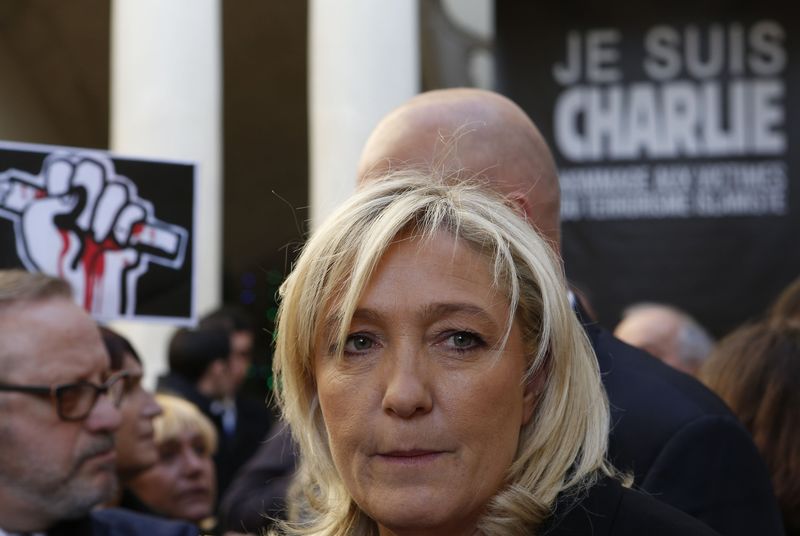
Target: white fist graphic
[(80, 221)]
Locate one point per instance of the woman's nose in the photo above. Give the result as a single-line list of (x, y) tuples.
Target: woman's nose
[(407, 392), (192, 462)]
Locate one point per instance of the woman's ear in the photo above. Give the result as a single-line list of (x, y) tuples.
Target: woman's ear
[(531, 395)]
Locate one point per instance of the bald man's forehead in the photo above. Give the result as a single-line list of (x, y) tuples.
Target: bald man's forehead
[(473, 133), (430, 137)]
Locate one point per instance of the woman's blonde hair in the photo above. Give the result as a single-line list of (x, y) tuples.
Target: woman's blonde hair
[(560, 450), (179, 416)]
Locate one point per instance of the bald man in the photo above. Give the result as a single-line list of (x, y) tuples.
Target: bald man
[(678, 439), (667, 333)]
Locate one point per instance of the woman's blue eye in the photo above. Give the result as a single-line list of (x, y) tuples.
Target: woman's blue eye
[(464, 340), (357, 343)]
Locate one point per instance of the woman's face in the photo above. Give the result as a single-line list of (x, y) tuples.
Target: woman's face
[(182, 485), (423, 413), (136, 445)]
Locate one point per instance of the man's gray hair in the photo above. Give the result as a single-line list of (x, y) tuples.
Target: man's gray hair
[(21, 286)]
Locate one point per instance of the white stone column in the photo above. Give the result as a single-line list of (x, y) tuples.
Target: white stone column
[(363, 62), (166, 103)]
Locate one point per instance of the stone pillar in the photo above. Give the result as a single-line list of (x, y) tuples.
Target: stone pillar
[(363, 62), (166, 103)]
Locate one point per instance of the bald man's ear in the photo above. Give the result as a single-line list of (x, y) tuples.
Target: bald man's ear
[(520, 203)]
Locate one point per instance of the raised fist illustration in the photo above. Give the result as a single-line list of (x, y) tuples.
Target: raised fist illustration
[(78, 220)]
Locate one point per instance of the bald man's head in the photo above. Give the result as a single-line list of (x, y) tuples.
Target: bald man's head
[(474, 133)]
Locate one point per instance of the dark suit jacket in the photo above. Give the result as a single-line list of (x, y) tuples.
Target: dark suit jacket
[(258, 493), (611, 510), (119, 522), (680, 441)]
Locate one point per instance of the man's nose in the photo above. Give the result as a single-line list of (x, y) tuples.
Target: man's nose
[(105, 416), (407, 379)]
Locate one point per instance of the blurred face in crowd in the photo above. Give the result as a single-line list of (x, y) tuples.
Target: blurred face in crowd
[(655, 331), (51, 469), (182, 484), (241, 356), (136, 446), (424, 409)]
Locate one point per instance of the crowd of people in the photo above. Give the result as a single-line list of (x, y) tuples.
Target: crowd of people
[(435, 375)]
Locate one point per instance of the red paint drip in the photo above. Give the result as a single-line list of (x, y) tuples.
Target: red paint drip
[(62, 257), (39, 194), (110, 244), (137, 229), (94, 266)]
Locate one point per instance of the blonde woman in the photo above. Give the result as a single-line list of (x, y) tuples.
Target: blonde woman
[(182, 484), (437, 380)]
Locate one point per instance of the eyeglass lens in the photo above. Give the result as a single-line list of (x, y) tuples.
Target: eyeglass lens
[(75, 401)]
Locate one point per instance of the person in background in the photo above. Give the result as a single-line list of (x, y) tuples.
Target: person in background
[(59, 410), (200, 372), (667, 333), (181, 484), (756, 371), (675, 437), (135, 439), (252, 416), (240, 330)]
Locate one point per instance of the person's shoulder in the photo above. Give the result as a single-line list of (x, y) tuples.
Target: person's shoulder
[(609, 509), (640, 513), (121, 522), (654, 407), (637, 381)]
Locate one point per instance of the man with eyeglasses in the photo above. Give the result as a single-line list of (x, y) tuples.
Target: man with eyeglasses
[(58, 414)]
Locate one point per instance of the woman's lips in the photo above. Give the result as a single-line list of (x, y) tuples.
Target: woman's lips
[(410, 457)]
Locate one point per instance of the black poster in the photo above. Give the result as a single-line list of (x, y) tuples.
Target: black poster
[(119, 230), (673, 128)]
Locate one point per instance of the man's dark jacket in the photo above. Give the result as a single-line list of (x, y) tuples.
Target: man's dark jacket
[(119, 522), (680, 441), (608, 509)]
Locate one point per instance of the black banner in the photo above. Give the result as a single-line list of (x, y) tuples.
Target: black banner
[(672, 127), (119, 230)]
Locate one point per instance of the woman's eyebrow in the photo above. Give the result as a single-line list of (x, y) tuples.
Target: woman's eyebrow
[(431, 312), (331, 324), (434, 311), (365, 314)]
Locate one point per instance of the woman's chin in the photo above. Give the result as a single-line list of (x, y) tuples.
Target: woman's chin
[(419, 514)]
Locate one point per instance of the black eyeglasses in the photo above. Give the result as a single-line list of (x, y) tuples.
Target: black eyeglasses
[(74, 401)]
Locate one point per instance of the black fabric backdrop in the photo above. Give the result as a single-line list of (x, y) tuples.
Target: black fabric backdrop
[(674, 141)]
